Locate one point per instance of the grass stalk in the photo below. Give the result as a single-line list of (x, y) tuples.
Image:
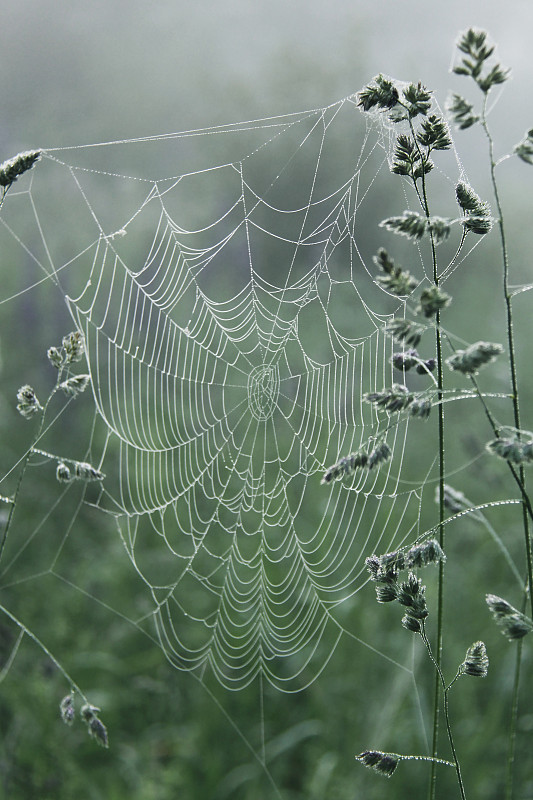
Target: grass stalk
[(444, 689), (510, 339), (440, 388)]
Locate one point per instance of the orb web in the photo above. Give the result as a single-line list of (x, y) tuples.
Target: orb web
[(232, 326)]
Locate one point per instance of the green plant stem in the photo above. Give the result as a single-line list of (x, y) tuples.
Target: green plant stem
[(440, 386), (445, 690), (513, 723), (23, 471), (513, 720), (496, 430), (510, 339), (45, 650), (3, 195)]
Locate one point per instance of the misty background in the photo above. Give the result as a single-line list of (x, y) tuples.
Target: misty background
[(76, 72)]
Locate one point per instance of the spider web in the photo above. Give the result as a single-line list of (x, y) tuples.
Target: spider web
[(232, 326)]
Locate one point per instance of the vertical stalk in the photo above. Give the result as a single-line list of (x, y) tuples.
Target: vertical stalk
[(513, 724), (526, 505), (510, 337), (440, 385), (445, 690)]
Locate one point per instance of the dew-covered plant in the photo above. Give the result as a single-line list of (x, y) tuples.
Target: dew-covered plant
[(386, 572), (69, 383), (419, 130)]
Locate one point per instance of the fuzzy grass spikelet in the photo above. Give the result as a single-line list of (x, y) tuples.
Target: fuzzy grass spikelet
[(416, 99), (426, 366), (420, 407), (408, 160), (395, 279), (524, 149), (86, 472), (454, 501), (434, 134), (461, 112), (73, 346), (469, 201), (386, 593), (15, 167), (378, 455), (419, 555), (424, 554), (380, 94), (432, 300), (363, 458), (513, 446), (410, 224), (513, 624), (55, 357), (411, 624), (406, 360), (411, 594), (28, 404), (476, 49), (382, 763), (403, 330), (440, 228), (75, 385), (385, 575), (475, 356), (77, 471), (397, 398), (63, 473), (66, 709), (384, 571), (476, 661), (95, 727), (477, 217)]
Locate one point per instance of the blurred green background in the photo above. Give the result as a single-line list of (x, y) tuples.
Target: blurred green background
[(87, 72)]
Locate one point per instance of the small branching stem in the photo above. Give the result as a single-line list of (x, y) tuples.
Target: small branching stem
[(526, 505), (45, 650), (445, 689), (5, 190), (23, 471), (517, 477), (513, 719)]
